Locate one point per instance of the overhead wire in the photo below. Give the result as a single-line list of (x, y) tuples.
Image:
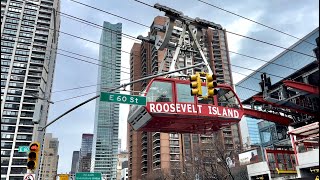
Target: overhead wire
[(134, 38), (251, 38), (121, 50), (269, 27), (127, 52)]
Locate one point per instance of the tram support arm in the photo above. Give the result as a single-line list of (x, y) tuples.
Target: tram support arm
[(118, 87)]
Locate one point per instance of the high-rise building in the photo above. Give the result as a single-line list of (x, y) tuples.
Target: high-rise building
[(28, 55), (105, 143), (75, 162), (249, 126), (122, 164), (150, 152), (50, 157), (249, 132), (85, 153)]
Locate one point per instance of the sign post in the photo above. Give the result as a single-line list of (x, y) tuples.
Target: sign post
[(23, 149), (122, 98), (88, 176)]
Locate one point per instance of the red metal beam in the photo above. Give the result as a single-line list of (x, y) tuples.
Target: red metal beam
[(261, 100), (302, 86), (268, 116)]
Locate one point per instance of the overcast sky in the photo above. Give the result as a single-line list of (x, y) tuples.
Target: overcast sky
[(294, 17)]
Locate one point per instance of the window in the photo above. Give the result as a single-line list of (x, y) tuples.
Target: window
[(227, 98), (6, 50), (9, 44), (22, 65), (24, 137), (3, 83), (17, 78), (9, 31), (14, 91), (3, 56), (4, 76), (205, 100), (8, 128), (5, 63), (10, 113), (6, 137), (21, 58), (11, 106), (13, 99), (3, 69), (183, 93), (22, 52), (160, 92), (8, 121), (19, 71)]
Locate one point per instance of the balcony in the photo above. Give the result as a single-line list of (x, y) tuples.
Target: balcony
[(308, 159), (35, 74), (37, 81), (43, 21), (36, 61), (40, 43), (29, 87), (36, 68)]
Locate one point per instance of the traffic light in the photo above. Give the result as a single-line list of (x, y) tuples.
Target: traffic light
[(211, 84), (195, 84), (33, 155)]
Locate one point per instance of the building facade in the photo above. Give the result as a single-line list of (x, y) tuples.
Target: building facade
[(292, 150), (122, 164), (28, 55), (105, 144), (249, 132), (50, 158), (283, 65), (85, 153), (75, 162), (155, 152)]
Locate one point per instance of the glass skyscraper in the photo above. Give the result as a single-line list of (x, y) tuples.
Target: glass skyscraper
[(28, 56), (105, 145), (291, 62), (290, 59)]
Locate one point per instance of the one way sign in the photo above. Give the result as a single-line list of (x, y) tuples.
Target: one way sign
[(29, 177)]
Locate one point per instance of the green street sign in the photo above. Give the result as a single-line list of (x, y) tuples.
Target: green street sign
[(23, 149), (122, 98), (88, 176)]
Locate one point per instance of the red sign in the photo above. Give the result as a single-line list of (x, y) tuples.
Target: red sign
[(192, 109)]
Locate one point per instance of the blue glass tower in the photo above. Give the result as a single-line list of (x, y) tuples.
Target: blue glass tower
[(105, 143), (249, 86)]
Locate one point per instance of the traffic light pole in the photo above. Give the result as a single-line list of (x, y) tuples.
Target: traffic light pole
[(121, 86)]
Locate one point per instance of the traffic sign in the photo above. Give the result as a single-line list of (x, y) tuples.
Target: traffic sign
[(122, 98), (88, 176), (29, 177), (23, 149)]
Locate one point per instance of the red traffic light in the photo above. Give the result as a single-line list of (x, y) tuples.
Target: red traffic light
[(34, 147)]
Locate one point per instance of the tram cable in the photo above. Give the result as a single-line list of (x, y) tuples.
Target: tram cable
[(127, 52), (134, 38), (261, 41), (130, 53), (269, 27)]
